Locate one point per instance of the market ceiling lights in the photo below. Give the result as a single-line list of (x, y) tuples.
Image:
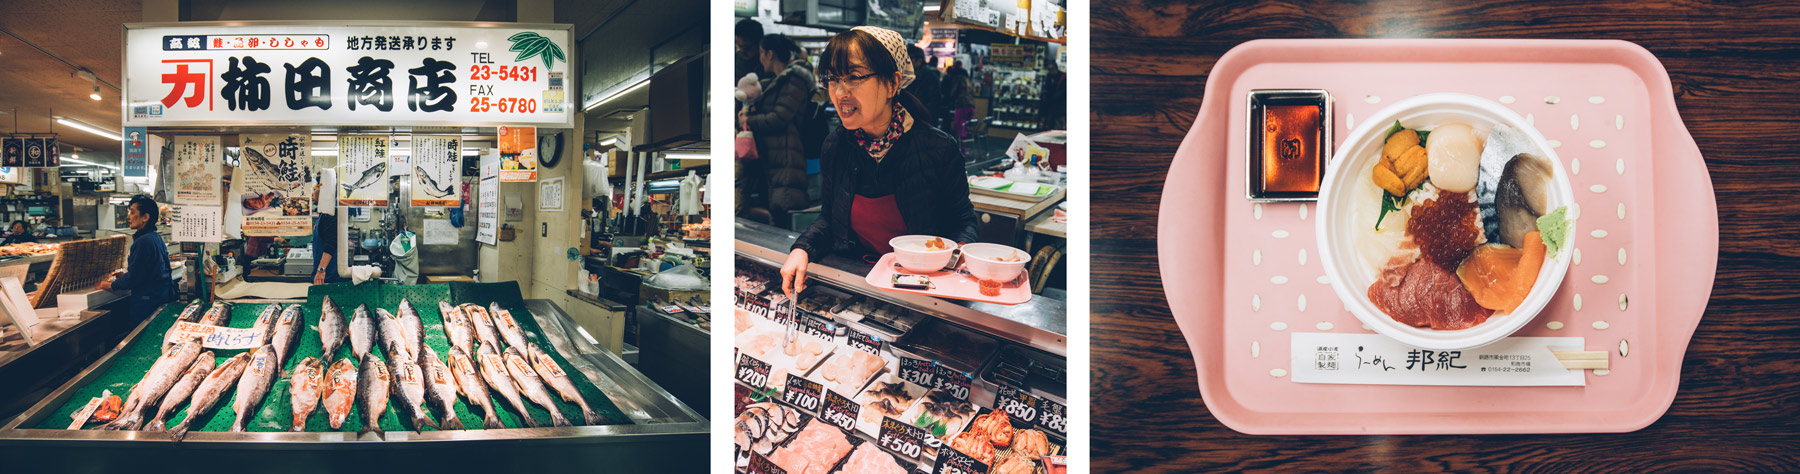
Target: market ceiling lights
[(89, 128)]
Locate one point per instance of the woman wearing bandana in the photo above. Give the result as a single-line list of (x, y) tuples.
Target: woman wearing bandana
[(887, 172)]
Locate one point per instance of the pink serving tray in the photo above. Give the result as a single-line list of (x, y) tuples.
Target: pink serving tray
[(1209, 231), (949, 285)]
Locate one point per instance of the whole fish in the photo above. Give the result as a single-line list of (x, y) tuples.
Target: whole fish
[(409, 391), (211, 389), (331, 329), (264, 327), (531, 385), (340, 392), (440, 388), (493, 370), (254, 385), (468, 382), (372, 394), (287, 333), (431, 184), (192, 312), (304, 388), (362, 331), (219, 315), (507, 326), (456, 327), (554, 376), (484, 325), (393, 336), (413, 326), (369, 176), (156, 382), (203, 364)]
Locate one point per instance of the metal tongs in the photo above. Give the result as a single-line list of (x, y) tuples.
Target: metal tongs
[(792, 334)]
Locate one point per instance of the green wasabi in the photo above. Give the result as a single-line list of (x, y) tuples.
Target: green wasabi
[(1554, 229)]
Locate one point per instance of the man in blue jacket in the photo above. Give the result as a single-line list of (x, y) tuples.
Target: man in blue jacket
[(146, 272)]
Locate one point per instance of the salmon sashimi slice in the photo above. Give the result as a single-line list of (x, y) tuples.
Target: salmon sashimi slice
[(1499, 276)]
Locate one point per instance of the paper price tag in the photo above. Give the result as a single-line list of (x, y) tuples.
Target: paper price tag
[(840, 411), (1053, 417), (817, 327), (954, 381), (673, 309), (1017, 404), (1376, 360), (918, 371), (761, 465), (802, 393), (216, 337), (951, 461), (859, 340), (901, 437), (752, 372)]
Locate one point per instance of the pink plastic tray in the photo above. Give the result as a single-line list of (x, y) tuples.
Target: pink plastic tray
[(1232, 268), (949, 285)]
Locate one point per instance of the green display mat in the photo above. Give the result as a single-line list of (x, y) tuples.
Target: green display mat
[(276, 412)]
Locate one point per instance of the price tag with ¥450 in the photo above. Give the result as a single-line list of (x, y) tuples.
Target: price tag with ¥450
[(752, 372), (839, 410)]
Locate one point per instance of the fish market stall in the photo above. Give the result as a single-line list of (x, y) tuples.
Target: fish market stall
[(855, 377), (604, 409)]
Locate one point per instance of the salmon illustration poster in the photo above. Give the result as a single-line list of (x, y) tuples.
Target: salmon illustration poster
[(437, 171), (362, 171)]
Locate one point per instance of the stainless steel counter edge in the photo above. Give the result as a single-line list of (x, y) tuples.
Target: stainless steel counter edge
[(586, 357), (1039, 323)]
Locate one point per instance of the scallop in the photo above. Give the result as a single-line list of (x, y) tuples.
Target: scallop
[(1522, 197), (1454, 153)]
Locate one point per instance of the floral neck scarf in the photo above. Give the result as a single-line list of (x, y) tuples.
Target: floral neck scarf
[(878, 146)]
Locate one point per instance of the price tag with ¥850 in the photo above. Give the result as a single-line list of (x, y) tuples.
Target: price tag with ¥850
[(816, 327), (951, 461), (761, 465), (954, 381), (869, 343), (1017, 404), (752, 372), (919, 371), (902, 437), (839, 411), (802, 393), (1053, 417)]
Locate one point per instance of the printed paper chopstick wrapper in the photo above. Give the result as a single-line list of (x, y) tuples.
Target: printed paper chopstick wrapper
[(1373, 359)]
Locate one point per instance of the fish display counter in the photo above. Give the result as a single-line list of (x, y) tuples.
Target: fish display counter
[(467, 368), (852, 378)]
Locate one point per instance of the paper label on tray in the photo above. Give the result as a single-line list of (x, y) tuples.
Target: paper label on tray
[(216, 337), (802, 393), (1373, 359), (951, 461), (954, 381), (752, 371), (761, 465), (859, 340), (840, 411), (918, 371), (1054, 418), (1017, 404), (902, 437), (817, 327)]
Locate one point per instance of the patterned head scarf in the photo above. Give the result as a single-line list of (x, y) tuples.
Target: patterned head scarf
[(896, 47)]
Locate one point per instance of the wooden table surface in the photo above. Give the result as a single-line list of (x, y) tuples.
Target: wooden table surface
[(1737, 84)]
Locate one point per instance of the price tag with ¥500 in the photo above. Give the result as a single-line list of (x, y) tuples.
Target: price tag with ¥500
[(902, 437)]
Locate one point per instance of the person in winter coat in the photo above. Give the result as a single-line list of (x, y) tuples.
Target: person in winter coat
[(775, 120)]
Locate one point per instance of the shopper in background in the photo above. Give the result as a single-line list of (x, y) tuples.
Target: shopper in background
[(748, 39), (775, 119), (925, 83), (18, 233), (959, 99), (887, 172), (146, 272), (326, 248)]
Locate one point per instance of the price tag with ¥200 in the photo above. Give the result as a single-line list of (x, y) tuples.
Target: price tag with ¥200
[(802, 393), (901, 437), (1017, 404), (839, 410), (752, 372)]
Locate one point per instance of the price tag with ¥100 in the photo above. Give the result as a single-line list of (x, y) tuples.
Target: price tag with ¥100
[(840, 411), (919, 371), (761, 465), (1017, 404), (862, 341), (902, 437), (802, 393), (1053, 417), (954, 381), (951, 461), (752, 372)]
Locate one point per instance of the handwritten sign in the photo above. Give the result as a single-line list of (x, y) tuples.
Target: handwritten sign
[(1017, 404), (197, 224), (1054, 418), (954, 381), (902, 437), (761, 465), (839, 410), (802, 393), (87, 411), (216, 337), (951, 461), (1376, 360), (919, 371), (816, 327), (862, 341), (752, 371)]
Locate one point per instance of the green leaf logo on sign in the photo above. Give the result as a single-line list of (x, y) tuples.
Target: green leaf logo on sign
[(530, 44)]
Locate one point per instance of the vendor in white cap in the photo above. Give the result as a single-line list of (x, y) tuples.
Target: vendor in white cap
[(887, 172)]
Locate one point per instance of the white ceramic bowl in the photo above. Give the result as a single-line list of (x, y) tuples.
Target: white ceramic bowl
[(983, 261), (1351, 275), (910, 251)]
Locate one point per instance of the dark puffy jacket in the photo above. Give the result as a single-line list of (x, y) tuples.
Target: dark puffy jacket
[(147, 274), (933, 194), (774, 118)]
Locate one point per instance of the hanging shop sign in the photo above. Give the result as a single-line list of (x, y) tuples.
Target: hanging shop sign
[(362, 170), (437, 171), (518, 154), (136, 156), (197, 172), (275, 172), (30, 152), (347, 73)]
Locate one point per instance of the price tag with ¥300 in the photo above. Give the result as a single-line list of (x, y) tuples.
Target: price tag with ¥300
[(951, 461), (918, 371), (901, 437), (752, 372), (761, 465), (802, 393), (1017, 404), (840, 411)]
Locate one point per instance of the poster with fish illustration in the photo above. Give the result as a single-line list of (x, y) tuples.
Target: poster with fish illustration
[(198, 179), (362, 171), (518, 154), (437, 170), (274, 181)]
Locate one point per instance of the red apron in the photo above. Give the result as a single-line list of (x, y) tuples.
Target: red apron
[(876, 221)]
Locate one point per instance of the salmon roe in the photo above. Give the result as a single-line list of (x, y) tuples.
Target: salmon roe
[(1445, 229)]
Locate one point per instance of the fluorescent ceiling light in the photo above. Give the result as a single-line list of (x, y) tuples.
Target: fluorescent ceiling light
[(89, 128), (610, 141), (932, 8), (615, 95), (688, 156), (89, 163)]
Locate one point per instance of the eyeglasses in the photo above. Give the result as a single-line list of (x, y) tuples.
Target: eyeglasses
[(849, 82)]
